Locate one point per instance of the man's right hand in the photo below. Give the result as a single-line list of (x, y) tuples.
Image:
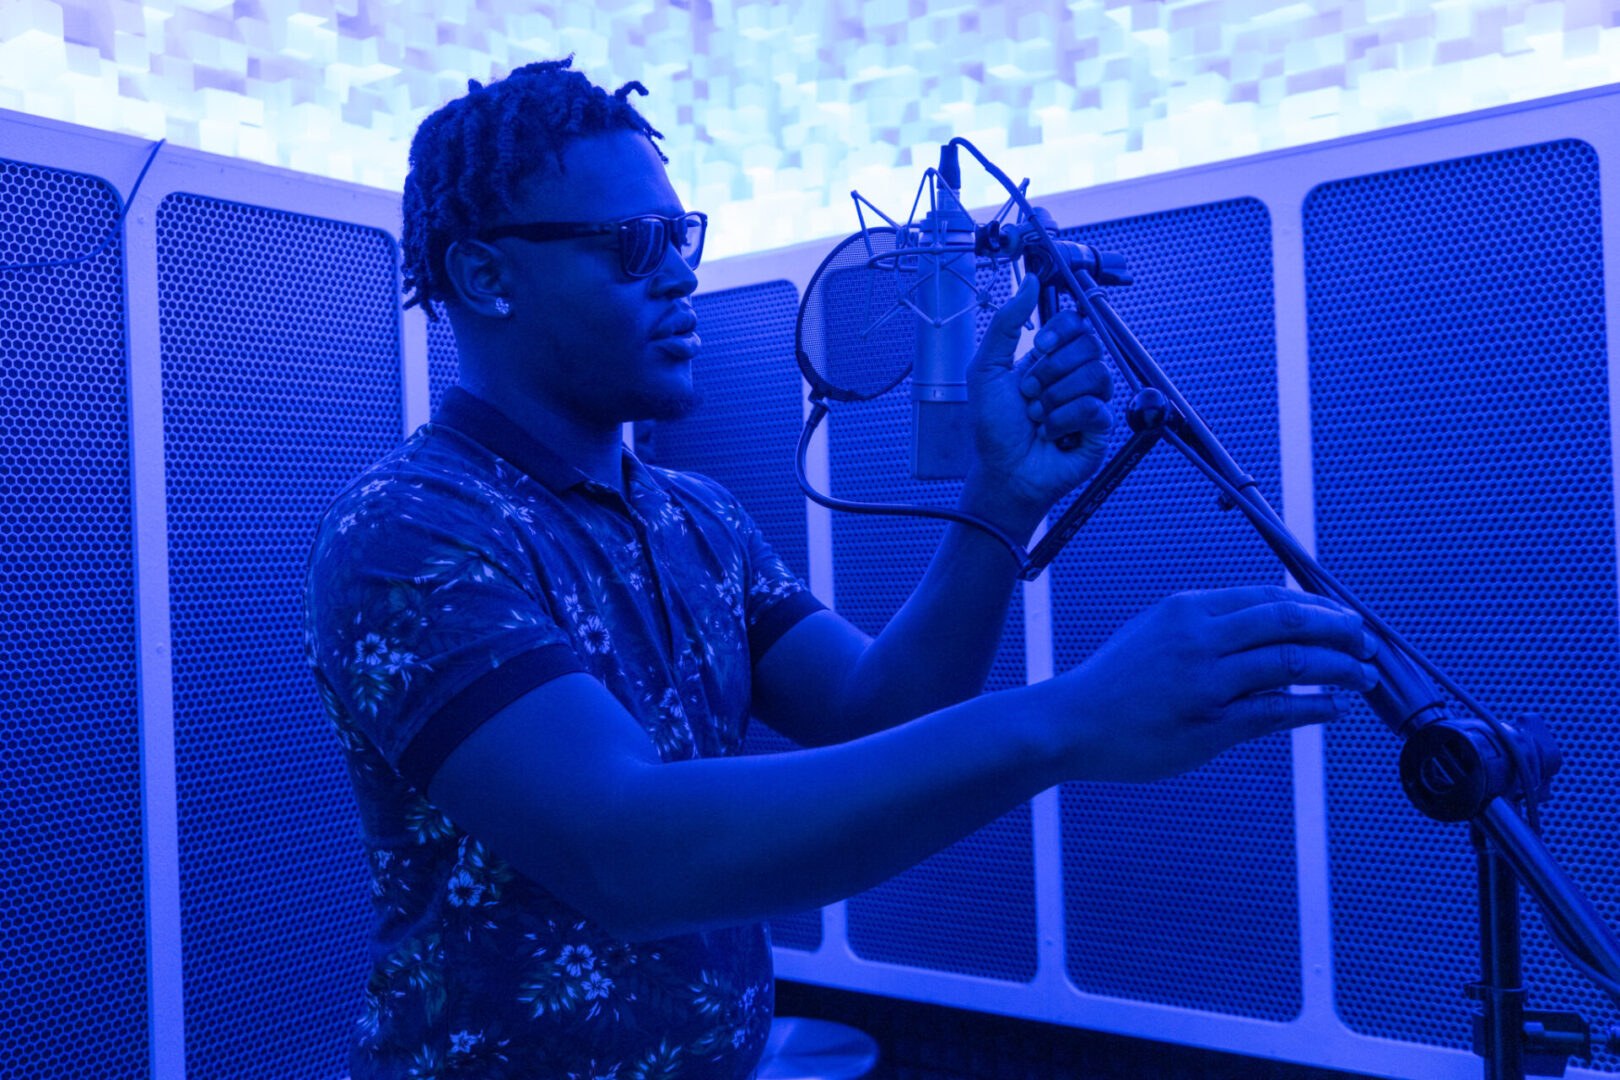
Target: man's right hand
[(1199, 672)]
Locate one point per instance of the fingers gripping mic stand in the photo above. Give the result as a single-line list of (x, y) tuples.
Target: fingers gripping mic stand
[(1452, 768)]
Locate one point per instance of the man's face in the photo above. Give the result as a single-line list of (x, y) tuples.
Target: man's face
[(604, 347)]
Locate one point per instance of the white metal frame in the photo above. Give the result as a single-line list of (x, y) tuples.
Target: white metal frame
[(1281, 180)]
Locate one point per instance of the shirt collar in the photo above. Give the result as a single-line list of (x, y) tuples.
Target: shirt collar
[(484, 424), (639, 477)]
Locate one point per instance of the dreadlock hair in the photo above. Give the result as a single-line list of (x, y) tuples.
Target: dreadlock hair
[(469, 158)]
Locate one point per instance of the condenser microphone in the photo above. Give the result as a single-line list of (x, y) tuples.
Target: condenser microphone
[(946, 297)]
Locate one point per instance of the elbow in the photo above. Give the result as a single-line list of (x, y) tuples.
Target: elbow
[(649, 862), (630, 894), (619, 898), (664, 895), (621, 912), (636, 923)]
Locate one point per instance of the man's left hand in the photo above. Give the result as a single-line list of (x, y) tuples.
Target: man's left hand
[(1022, 407)]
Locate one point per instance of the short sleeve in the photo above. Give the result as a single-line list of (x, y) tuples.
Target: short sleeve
[(423, 618)]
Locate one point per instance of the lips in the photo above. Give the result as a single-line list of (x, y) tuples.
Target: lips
[(680, 324)]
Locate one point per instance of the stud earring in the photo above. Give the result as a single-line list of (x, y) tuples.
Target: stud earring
[(503, 307)]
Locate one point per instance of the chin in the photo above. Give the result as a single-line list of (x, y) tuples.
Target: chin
[(674, 405)]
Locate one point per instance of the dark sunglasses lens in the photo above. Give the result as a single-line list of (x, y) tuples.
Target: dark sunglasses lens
[(642, 242)]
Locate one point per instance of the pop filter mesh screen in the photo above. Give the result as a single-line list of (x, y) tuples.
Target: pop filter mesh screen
[(856, 338)]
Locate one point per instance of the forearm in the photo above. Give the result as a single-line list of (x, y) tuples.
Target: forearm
[(938, 648), (725, 841)]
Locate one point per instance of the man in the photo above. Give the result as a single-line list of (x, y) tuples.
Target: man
[(541, 654)]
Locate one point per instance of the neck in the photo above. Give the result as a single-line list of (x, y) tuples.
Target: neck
[(594, 449)]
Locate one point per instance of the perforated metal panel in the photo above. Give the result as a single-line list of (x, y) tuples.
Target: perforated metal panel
[(73, 972), (746, 429), (280, 359), (443, 367), (1183, 892), (744, 434), (971, 908), (1460, 417)]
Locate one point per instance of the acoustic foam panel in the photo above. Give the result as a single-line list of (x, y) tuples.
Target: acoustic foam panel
[(73, 971), (280, 359), (1183, 892), (1464, 489), (772, 110)]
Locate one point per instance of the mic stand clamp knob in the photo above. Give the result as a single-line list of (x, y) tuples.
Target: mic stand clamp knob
[(1452, 768)]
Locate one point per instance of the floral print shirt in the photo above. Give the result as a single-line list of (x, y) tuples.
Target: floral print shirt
[(465, 569)]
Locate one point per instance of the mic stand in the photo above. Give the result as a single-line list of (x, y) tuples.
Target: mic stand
[(1452, 769), (1470, 769), (1545, 1040)]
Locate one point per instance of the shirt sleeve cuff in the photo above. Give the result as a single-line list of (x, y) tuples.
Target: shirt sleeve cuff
[(478, 701), (779, 619)]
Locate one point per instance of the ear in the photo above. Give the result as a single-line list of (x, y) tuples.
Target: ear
[(479, 274)]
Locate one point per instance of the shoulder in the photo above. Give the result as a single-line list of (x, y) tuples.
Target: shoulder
[(437, 481)]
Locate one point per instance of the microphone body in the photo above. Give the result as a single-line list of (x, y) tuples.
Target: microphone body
[(947, 297)]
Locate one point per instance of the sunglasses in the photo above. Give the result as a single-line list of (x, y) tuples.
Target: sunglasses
[(643, 239)]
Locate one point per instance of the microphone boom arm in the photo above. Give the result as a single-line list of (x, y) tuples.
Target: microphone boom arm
[(1452, 769)]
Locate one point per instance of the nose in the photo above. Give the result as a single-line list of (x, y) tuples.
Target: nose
[(673, 278)]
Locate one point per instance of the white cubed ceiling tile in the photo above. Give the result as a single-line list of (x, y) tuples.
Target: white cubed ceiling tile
[(773, 110)]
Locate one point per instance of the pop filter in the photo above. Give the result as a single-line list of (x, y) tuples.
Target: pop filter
[(855, 340), (856, 335)]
